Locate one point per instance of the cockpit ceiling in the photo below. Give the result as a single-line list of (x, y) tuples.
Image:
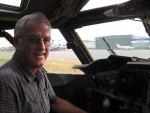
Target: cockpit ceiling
[(68, 12), (60, 10)]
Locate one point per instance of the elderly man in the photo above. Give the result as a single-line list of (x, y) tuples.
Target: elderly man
[(24, 87)]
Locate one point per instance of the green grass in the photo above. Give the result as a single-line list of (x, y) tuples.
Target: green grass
[(62, 65), (53, 65), (4, 59)]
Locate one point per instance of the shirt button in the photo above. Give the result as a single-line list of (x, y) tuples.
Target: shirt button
[(34, 101)]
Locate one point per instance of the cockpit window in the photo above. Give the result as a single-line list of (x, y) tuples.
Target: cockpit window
[(15, 3), (60, 60), (125, 38), (101, 3)]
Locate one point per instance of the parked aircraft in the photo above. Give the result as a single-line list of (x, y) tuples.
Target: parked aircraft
[(58, 45), (124, 47)]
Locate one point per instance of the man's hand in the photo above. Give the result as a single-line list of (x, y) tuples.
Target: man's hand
[(63, 106)]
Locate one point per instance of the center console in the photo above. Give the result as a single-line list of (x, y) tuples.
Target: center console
[(121, 91)]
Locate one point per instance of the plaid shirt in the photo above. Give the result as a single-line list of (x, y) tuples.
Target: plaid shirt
[(22, 92)]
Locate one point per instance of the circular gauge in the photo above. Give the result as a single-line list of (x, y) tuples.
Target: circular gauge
[(106, 103), (99, 82), (110, 83)]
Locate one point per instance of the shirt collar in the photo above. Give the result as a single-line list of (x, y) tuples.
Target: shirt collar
[(24, 71)]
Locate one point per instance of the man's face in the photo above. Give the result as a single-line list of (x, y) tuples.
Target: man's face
[(33, 48)]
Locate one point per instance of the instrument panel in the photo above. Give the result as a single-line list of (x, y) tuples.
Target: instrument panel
[(119, 91), (105, 81)]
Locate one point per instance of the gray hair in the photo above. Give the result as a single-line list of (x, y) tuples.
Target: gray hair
[(28, 19)]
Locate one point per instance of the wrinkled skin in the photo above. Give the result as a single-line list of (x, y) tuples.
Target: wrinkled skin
[(33, 55)]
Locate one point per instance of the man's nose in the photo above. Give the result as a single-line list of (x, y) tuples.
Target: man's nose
[(42, 44)]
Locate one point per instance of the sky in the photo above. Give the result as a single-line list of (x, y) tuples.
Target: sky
[(89, 5), (124, 27), (11, 2), (100, 3), (94, 31)]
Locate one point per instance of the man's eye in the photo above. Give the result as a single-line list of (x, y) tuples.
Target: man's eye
[(36, 40), (46, 40), (33, 39)]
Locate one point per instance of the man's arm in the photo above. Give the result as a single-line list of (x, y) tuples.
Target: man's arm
[(63, 106), (8, 102)]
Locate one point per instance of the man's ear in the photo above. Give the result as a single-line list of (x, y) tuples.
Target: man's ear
[(16, 42)]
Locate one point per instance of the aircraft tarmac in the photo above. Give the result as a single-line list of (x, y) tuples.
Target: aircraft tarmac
[(98, 54)]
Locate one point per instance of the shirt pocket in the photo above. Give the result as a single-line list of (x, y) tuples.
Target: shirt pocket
[(32, 107), (46, 101)]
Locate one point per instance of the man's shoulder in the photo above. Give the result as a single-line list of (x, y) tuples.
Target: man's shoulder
[(7, 71), (7, 67)]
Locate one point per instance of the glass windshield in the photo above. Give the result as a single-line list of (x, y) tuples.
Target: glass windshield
[(125, 38), (60, 59), (101, 3), (15, 3)]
